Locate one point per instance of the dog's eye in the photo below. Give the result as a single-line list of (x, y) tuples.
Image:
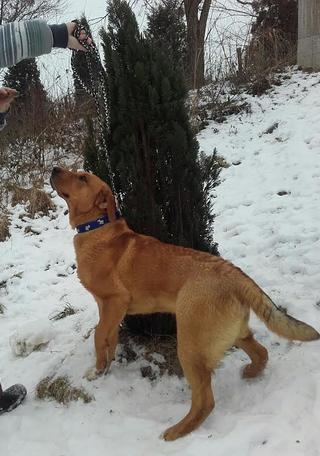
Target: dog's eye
[(83, 178), (65, 195)]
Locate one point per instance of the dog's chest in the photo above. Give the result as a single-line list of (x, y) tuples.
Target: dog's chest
[(84, 277), (86, 269)]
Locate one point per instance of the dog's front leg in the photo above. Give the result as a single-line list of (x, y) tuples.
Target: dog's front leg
[(112, 312)]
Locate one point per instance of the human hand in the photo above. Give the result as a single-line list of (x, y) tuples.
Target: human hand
[(7, 95), (73, 43)]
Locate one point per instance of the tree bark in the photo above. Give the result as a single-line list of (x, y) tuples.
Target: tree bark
[(196, 29)]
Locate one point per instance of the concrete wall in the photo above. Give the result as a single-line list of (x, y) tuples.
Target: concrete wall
[(309, 34)]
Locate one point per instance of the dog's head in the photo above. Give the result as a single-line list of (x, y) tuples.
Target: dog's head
[(86, 195)]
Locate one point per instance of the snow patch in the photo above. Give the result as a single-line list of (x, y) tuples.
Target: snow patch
[(32, 336)]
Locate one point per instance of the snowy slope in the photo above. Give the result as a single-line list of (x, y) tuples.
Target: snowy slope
[(273, 238)]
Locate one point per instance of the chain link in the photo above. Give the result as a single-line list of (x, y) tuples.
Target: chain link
[(95, 86)]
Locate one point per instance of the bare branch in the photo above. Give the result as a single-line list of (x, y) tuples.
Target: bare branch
[(242, 2), (12, 10)]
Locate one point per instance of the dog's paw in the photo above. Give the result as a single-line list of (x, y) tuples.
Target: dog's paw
[(251, 371), (171, 433), (92, 374)]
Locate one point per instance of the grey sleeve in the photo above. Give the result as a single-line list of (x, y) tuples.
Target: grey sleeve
[(23, 40)]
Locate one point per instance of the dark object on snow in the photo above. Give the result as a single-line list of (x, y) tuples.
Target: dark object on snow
[(11, 397), (271, 129)]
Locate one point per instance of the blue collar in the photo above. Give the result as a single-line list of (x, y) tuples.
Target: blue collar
[(98, 223)]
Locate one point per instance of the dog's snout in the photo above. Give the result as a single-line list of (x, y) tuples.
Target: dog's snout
[(56, 170)]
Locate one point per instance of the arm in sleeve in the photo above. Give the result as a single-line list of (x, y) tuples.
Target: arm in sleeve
[(26, 39)]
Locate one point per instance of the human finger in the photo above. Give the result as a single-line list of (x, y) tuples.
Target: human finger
[(73, 43)]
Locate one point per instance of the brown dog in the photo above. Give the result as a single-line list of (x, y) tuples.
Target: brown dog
[(129, 273)]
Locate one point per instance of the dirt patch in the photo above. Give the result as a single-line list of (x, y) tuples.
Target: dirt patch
[(160, 351)]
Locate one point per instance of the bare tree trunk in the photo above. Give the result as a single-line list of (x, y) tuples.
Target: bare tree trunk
[(1, 11), (196, 29), (240, 64), (309, 34)]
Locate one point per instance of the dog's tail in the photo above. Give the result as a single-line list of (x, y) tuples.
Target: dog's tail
[(276, 319)]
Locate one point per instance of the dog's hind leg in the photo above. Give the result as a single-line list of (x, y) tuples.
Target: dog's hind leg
[(202, 341), (256, 352), (199, 378)]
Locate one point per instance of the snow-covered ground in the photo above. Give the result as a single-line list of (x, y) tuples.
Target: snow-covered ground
[(274, 238)]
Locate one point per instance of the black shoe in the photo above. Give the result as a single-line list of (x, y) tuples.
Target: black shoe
[(12, 397)]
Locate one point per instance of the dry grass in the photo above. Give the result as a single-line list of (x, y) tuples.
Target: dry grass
[(221, 110), (65, 312), (38, 201), (222, 162), (61, 390), (268, 52), (4, 227)]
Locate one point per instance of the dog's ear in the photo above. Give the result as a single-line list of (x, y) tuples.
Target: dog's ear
[(105, 200)]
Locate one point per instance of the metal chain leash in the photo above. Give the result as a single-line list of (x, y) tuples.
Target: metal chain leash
[(95, 86)]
